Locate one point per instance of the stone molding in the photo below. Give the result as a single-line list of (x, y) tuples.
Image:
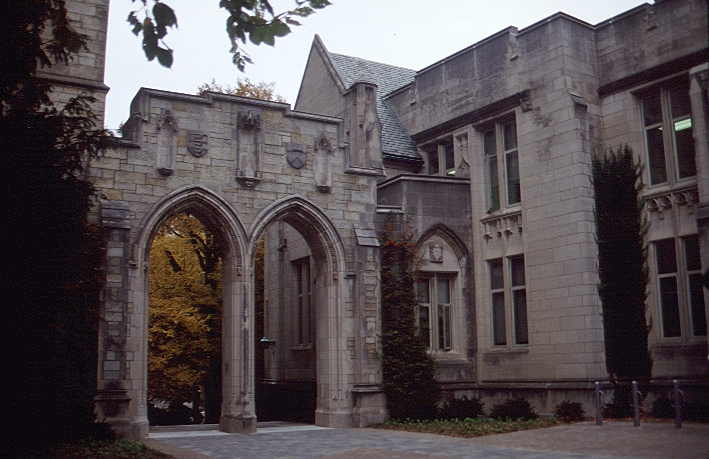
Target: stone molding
[(660, 202), (506, 224)]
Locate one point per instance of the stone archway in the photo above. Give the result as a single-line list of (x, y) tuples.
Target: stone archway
[(329, 206), (128, 355), (123, 336), (326, 256)]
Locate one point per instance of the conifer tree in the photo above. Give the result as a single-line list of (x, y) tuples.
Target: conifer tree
[(622, 267), (51, 265)]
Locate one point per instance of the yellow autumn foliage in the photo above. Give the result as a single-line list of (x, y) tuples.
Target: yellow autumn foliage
[(185, 309)]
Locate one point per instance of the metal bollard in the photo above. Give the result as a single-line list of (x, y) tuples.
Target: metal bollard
[(599, 403), (636, 404), (677, 398)]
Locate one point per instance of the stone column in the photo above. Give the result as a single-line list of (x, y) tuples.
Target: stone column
[(112, 400), (238, 376), (368, 395)]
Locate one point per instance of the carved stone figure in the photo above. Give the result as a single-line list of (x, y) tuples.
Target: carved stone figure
[(322, 164), (366, 131), (167, 143), (249, 138)]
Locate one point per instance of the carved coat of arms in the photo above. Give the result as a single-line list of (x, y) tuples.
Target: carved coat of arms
[(435, 253), (197, 143), (296, 155)]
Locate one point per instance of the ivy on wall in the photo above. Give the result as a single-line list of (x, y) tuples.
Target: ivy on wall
[(622, 264), (408, 369)]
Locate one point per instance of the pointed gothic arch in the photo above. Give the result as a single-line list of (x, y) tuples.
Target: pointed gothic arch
[(237, 342), (311, 222), (444, 293), (449, 236), (333, 405)]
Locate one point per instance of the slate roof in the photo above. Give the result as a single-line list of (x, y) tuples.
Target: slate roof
[(396, 143)]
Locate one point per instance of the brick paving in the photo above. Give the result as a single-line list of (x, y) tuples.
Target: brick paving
[(615, 439)]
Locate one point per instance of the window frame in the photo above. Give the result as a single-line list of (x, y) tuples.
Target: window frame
[(436, 339), (687, 310), (303, 301), (666, 123), (696, 308), (440, 157), (505, 316), (502, 191)]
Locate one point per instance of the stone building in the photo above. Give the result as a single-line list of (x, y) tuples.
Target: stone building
[(499, 191), (84, 73), (486, 153)]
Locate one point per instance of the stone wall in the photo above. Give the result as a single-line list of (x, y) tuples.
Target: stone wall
[(543, 78), (640, 52), (85, 70), (241, 166), (571, 89)]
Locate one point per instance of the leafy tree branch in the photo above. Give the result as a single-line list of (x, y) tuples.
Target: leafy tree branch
[(252, 19), (244, 88)]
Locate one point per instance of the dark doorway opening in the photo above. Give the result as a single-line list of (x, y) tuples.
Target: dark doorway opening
[(286, 279)]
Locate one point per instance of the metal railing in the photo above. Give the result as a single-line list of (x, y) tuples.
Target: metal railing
[(637, 397)]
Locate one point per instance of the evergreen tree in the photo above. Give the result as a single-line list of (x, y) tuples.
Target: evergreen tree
[(51, 266), (622, 266), (408, 369)]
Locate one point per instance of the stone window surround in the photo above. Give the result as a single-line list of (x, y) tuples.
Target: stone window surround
[(671, 160), (443, 256), (681, 275), (507, 291), (501, 154)]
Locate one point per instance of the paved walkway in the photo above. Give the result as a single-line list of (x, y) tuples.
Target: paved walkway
[(613, 439)]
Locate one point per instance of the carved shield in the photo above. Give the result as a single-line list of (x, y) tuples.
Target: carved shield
[(296, 155), (435, 252), (197, 143)]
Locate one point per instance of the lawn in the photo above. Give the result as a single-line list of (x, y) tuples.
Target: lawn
[(98, 449), (466, 428)]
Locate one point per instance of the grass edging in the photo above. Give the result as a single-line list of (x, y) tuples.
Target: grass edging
[(98, 449), (466, 428)]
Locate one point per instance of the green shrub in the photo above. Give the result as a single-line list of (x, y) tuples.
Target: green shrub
[(518, 408), (95, 448), (568, 411), (697, 411), (462, 408), (662, 408)]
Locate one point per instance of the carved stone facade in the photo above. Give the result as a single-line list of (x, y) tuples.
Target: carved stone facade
[(514, 120), (485, 154), (245, 188)]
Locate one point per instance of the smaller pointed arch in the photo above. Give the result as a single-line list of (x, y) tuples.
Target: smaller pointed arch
[(449, 236), (206, 205), (311, 222)]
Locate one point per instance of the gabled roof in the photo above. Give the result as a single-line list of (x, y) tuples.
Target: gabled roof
[(396, 143)]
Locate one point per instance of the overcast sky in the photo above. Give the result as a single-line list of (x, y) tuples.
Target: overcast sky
[(406, 33)]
